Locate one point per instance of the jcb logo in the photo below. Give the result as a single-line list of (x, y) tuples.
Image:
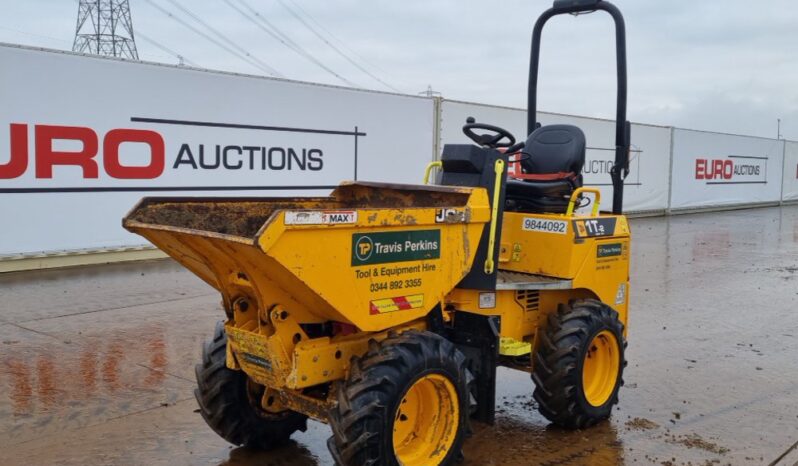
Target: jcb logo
[(449, 216), (363, 248), (46, 156)]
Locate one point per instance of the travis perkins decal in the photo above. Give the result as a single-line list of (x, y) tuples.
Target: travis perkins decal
[(400, 246), (734, 169), (609, 250)]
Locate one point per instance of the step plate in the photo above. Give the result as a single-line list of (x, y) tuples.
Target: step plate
[(525, 281)]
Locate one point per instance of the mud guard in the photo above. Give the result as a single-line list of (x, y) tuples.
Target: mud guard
[(477, 337)]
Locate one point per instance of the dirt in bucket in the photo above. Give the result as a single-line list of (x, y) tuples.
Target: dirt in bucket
[(230, 218)]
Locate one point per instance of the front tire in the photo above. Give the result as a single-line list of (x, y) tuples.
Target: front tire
[(406, 401), (578, 367), (230, 404)]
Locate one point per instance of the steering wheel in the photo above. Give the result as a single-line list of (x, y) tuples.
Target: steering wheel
[(490, 140)]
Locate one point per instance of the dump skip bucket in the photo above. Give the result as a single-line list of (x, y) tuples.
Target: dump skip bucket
[(370, 254)]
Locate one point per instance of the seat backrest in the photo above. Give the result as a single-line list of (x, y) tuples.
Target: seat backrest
[(555, 149)]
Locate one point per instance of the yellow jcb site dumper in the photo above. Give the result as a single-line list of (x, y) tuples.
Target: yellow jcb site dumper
[(384, 310)]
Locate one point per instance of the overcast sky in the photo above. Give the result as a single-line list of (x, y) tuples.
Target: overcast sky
[(720, 65)]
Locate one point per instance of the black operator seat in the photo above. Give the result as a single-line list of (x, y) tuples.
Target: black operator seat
[(551, 170)]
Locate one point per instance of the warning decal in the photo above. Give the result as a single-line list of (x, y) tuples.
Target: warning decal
[(399, 303)]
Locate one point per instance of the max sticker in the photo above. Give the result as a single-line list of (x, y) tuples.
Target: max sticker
[(320, 217)]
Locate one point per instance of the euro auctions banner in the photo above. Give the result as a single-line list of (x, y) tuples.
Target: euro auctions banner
[(647, 185), (790, 190), (713, 169), (83, 138)]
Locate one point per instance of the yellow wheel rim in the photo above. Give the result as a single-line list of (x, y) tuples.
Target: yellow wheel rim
[(426, 421), (600, 368)]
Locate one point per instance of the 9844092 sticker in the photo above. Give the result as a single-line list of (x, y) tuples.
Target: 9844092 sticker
[(545, 225)]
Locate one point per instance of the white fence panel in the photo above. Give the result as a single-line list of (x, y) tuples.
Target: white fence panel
[(83, 138), (790, 189), (647, 184), (715, 170)]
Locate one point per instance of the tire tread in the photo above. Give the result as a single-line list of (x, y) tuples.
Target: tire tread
[(223, 404), (555, 370)]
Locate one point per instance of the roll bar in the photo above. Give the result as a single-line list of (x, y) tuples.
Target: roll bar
[(622, 127)]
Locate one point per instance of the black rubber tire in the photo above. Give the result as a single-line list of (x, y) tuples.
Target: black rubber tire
[(558, 361), (362, 422), (225, 405)]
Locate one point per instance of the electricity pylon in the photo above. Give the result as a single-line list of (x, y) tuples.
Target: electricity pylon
[(105, 28)]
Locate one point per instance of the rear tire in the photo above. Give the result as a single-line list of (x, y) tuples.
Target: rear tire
[(406, 401), (578, 366), (228, 405)]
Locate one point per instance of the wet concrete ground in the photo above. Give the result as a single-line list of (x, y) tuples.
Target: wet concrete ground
[(96, 363)]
